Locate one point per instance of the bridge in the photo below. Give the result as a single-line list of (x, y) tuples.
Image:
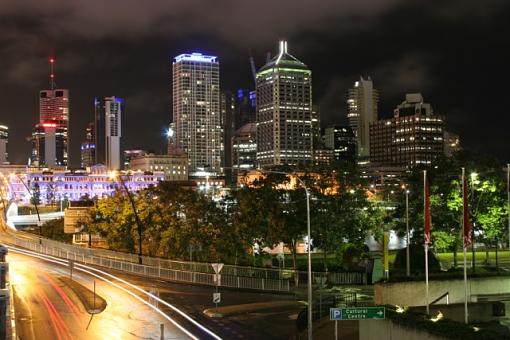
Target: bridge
[(14, 220)]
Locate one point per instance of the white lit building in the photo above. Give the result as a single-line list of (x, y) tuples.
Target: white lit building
[(284, 111), (108, 133), (53, 186), (196, 111), (362, 101), (175, 166)]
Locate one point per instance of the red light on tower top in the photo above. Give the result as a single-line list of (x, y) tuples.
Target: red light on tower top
[(52, 60)]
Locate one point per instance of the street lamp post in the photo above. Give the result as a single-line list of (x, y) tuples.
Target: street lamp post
[(137, 219), (30, 192), (408, 258), (309, 238)]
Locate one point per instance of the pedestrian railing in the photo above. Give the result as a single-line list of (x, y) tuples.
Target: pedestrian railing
[(295, 277), (194, 277)]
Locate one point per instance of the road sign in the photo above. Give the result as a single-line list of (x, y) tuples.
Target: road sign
[(217, 267), (357, 313), (335, 313), (216, 297), (217, 279)]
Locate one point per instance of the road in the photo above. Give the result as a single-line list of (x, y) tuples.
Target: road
[(47, 309)]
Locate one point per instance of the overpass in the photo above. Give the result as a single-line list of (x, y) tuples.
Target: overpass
[(14, 220)]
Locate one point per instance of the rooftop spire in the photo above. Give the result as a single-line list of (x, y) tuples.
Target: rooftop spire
[(52, 75), (283, 50)]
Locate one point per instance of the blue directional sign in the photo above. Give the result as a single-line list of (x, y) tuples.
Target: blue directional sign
[(335, 313)]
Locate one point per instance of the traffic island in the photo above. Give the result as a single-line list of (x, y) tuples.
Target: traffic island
[(93, 303), (232, 310)]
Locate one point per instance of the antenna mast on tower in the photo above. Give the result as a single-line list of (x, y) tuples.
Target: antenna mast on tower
[(52, 74)]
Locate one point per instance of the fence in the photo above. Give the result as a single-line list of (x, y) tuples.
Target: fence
[(295, 277), (157, 271)]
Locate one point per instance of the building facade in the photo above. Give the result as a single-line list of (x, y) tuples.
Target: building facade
[(244, 149), (196, 110), (284, 111), (88, 147), (54, 113), (4, 141), (412, 137), (49, 144), (108, 113), (451, 143), (54, 186), (342, 141), (174, 166), (362, 109), (246, 108)]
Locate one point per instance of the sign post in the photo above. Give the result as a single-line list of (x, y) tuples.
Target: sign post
[(357, 313), (217, 278)]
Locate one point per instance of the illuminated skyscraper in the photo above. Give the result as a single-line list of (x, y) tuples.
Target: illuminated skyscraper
[(54, 113), (108, 131), (284, 111), (196, 111), (362, 101), (88, 147)]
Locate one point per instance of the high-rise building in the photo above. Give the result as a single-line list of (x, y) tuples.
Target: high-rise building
[(196, 111), (54, 114), (362, 102), (88, 147), (228, 110), (342, 141), (4, 139), (108, 131), (284, 111), (244, 149), (412, 137), (246, 108), (49, 143)]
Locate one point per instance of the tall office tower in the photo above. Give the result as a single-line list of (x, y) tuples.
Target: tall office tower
[(54, 110), (412, 137), (342, 141), (284, 111), (362, 101), (228, 110), (108, 131), (48, 145), (196, 110), (316, 128), (4, 139), (88, 147), (246, 108), (244, 149)]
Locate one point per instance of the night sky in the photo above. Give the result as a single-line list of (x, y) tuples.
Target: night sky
[(456, 53)]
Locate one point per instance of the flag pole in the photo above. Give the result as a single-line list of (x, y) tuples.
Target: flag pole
[(464, 223), (427, 236)]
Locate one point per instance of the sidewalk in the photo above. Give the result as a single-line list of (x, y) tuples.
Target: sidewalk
[(232, 310)]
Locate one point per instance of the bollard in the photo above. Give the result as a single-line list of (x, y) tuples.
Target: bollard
[(3, 253), (4, 267)]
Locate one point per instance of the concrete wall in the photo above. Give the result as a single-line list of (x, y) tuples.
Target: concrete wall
[(413, 293), (387, 330)]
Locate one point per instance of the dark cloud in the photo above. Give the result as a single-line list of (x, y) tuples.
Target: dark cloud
[(452, 52)]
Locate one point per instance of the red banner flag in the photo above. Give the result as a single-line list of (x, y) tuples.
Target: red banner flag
[(426, 208), (465, 219)]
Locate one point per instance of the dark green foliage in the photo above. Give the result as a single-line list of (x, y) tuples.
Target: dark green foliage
[(417, 255)]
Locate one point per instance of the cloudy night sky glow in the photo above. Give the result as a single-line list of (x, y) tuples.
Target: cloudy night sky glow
[(455, 52)]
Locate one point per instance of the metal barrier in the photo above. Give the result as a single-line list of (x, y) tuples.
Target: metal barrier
[(295, 277), (158, 271)]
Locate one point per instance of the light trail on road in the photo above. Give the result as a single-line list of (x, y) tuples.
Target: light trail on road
[(97, 273)]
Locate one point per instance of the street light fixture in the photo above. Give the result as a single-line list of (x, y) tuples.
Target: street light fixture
[(114, 176), (408, 258)]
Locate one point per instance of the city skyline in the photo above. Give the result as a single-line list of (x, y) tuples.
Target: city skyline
[(399, 55)]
